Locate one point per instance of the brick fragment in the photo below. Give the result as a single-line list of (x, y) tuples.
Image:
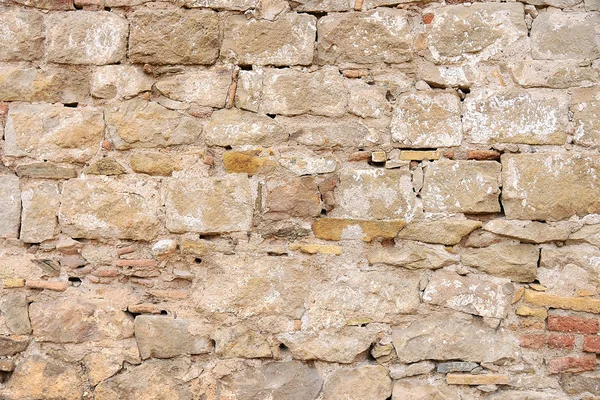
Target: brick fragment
[(532, 341), (48, 285), (572, 364), (561, 342), (591, 344), (573, 324)]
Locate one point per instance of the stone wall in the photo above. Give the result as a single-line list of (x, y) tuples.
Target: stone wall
[(299, 200)]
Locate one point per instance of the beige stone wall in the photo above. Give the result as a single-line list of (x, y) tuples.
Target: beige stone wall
[(299, 200)]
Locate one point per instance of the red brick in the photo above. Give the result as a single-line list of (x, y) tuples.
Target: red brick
[(572, 364), (562, 342), (591, 344), (573, 324), (532, 341), (427, 18)]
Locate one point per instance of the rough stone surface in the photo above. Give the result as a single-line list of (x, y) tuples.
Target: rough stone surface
[(40, 201), (585, 106), (323, 132), (365, 383), (205, 87), (448, 232), (411, 255), (22, 36), (119, 81), (10, 201), (237, 128), (517, 262)]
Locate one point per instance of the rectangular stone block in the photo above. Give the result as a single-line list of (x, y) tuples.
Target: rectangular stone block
[(174, 37), (120, 81), (40, 200), (22, 35), (550, 186), (45, 170), (377, 36), (204, 87), (209, 205), (517, 262), (484, 379), (355, 229), (86, 37), (461, 186), (101, 207), (10, 203), (287, 41), (234, 127), (558, 74), (585, 106), (323, 5), (584, 304), (53, 132)]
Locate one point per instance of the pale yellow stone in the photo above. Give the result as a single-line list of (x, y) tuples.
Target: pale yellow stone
[(565, 303), (378, 156), (419, 155), (483, 379), (311, 248), (341, 229), (525, 311), (13, 283)]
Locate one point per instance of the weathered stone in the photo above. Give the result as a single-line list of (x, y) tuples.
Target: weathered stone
[(174, 37), (566, 270), (525, 311), (105, 166), (375, 194), (326, 133), (449, 336), (448, 231), (101, 366), (12, 345), (77, 320), (427, 119), (525, 395), (205, 87), (532, 117), (456, 366), (53, 132), (153, 164), (138, 124), (447, 75), (323, 5), (238, 5), (585, 106), (86, 37), (530, 231), (63, 5), (297, 197), (209, 205), (119, 81), (557, 74), (247, 162), (377, 36), (348, 229), (241, 341), (540, 186), (287, 41), (99, 207), (480, 32), (399, 371), (587, 234), (291, 92), (15, 310), (248, 286), (311, 248), (362, 383), (10, 203), (237, 128), (575, 384), (473, 294), (412, 255), (461, 186), (249, 89), (166, 337), (367, 101), (306, 163), (40, 202), (404, 390), (22, 35), (517, 262), (45, 171), (558, 35), (483, 379)]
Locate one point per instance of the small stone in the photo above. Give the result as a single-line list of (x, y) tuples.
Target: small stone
[(13, 283), (7, 365), (10, 203), (530, 231), (307, 163), (45, 171), (56, 286), (399, 371), (328, 133), (105, 166), (456, 366), (236, 128), (164, 247), (296, 197), (101, 366), (526, 311), (119, 81), (558, 74), (484, 379), (247, 162), (419, 155), (12, 345), (14, 307), (311, 248), (585, 106), (153, 164), (378, 156), (584, 304), (517, 262), (362, 383), (40, 200), (204, 87)]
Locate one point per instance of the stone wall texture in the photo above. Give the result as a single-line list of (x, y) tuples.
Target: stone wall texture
[(299, 200)]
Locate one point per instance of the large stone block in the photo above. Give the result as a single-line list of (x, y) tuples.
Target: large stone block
[(517, 262), (289, 40), (10, 203), (296, 197), (209, 205), (238, 128), (100, 207), (41, 200), (119, 81), (53, 132), (585, 106), (550, 186), (377, 36), (21, 35), (174, 37), (86, 37), (205, 87)]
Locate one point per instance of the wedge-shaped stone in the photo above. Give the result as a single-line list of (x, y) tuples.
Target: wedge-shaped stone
[(177, 36), (356, 229), (412, 255), (556, 74), (120, 81), (427, 119), (326, 133), (377, 36), (448, 232), (86, 37), (22, 35), (53, 132), (369, 382), (461, 187), (10, 203), (241, 341), (531, 117), (238, 128), (481, 32), (517, 262), (101, 207), (543, 186), (209, 205), (166, 337), (205, 87), (138, 123), (473, 294), (449, 336), (40, 200), (585, 106), (530, 231), (289, 40)]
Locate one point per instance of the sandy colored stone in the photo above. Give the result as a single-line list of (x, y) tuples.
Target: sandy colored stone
[(119, 81), (153, 163), (101, 366), (86, 37), (13, 283), (289, 40), (105, 166), (53, 132), (237, 128), (174, 36), (530, 231), (541, 186), (367, 101), (246, 162), (40, 202), (566, 270), (209, 205), (296, 197), (241, 341), (517, 262), (483, 379), (558, 74), (15, 310), (22, 35), (587, 234), (461, 186), (100, 207), (585, 106), (411, 255), (576, 384), (323, 5), (12, 345), (448, 232), (45, 171), (343, 229), (405, 390), (584, 304), (326, 133), (362, 383), (525, 311), (249, 89), (427, 119), (313, 248), (205, 87), (63, 5), (307, 163), (10, 203), (398, 371), (409, 155), (377, 36)]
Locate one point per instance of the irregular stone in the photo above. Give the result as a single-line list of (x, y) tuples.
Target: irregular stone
[(322, 5), (367, 101), (456, 366), (525, 395), (234, 127), (403, 390), (238, 5), (10, 203), (15, 310), (53, 132), (461, 186), (448, 232), (209, 205), (419, 155), (531, 117), (247, 162), (12, 345), (176, 36), (349, 229), (45, 171), (412, 255), (540, 186), (517, 262), (447, 75), (587, 234), (558, 35), (427, 119), (592, 5), (287, 41), (327, 133), (141, 124), (101, 366), (307, 163), (449, 336), (525, 311), (120, 81), (377, 36), (249, 89), (399, 371), (153, 164), (204, 247), (296, 197), (363, 383), (205, 87), (165, 337), (585, 106), (86, 37), (22, 36), (584, 304), (483, 379), (292, 92), (557, 74), (105, 166), (40, 200), (530, 231), (312, 248), (63, 5), (473, 294), (100, 207), (575, 384), (567, 270), (241, 341)]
